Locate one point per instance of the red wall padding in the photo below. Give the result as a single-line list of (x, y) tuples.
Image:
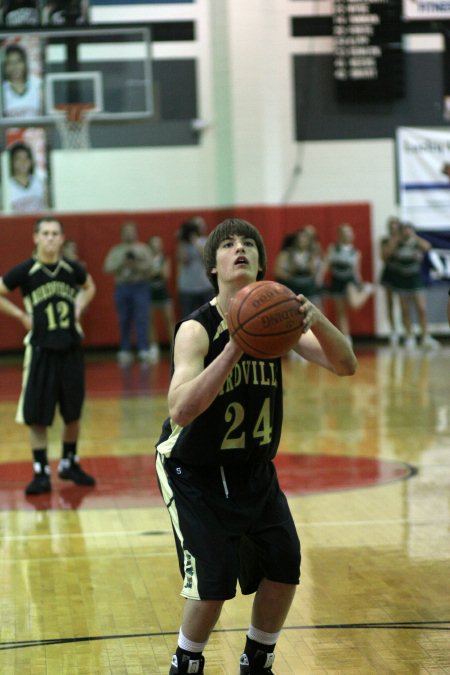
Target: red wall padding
[(95, 233)]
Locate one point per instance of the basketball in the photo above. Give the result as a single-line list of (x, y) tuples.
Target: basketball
[(264, 319)]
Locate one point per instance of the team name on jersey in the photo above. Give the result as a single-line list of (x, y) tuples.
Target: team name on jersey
[(52, 289), (250, 372)]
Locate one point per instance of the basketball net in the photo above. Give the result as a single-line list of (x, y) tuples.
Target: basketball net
[(72, 122)]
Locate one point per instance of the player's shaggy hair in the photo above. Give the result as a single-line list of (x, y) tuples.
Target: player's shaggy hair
[(228, 228)]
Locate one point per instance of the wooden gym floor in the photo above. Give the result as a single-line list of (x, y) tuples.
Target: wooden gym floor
[(89, 581)]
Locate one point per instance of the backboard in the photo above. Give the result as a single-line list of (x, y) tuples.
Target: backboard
[(108, 68)]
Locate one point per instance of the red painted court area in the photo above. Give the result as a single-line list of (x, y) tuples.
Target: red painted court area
[(127, 482), (103, 378)]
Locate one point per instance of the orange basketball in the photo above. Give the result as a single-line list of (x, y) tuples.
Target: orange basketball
[(264, 319)]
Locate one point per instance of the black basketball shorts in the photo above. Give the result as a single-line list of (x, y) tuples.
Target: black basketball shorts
[(51, 378), (230, 524)]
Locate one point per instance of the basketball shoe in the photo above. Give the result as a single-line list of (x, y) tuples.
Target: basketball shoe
[(41, 481), (71, 470), (187, 665), (430, 344), (261, 664), (410, 343)]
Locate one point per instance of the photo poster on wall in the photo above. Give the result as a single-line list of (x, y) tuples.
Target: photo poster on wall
[(65, 13), (20, 13), (25, 171), (424, 188), (22, 68), (35, 13)]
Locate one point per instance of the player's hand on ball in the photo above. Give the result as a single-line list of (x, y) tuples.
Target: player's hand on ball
[(309, 312)]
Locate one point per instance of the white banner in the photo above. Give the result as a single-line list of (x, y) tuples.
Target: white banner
[(424, 177), (426, 9)]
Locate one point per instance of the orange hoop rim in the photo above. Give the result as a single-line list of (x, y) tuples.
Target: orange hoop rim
[(74, 112)]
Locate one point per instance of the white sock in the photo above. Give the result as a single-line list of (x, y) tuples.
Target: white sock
[(261, 636), (189, 645)]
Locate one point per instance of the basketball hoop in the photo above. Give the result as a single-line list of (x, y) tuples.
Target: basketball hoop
[(72, 122)]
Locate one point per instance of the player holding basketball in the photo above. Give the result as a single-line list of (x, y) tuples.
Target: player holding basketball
[(55, 292), (214, 459)]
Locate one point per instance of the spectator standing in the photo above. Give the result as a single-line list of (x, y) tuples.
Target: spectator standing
[(131, 264), (387, 247), (347, 289), (406, 253), (448, 308), (194, 287), (70, 251), (160, 298), (297, 266)]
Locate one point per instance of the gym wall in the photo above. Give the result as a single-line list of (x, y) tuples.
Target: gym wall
[(95, 233), (273, 134)]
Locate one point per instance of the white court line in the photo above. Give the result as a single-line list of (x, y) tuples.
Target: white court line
[(374, 523), (74, 535), (299, 524)]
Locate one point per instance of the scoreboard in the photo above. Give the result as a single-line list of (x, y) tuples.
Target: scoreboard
[(368, 51)]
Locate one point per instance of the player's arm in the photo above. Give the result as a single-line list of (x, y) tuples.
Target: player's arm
[(84, 296), (193, 387), (322, 343), (166, 269), (424, 244), (9, 308), (325, 266), (357, 268), (114, 260), (388, 246)]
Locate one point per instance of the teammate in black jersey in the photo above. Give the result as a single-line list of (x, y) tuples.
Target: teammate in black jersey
[(55, 292), (214, 459)]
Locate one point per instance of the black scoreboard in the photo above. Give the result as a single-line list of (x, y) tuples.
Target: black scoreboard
[(368, 52)]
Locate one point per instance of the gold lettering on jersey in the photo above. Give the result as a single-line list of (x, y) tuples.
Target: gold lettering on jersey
[(245, 370), (274, 382), (229, 382), (250, 372), (264, 379), (51, 290)]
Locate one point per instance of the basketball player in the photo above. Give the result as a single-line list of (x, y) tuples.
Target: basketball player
[(55, 293), (215, 459)]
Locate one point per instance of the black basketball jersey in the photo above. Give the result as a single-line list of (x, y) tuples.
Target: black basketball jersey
[(243, 423), (49, 293)]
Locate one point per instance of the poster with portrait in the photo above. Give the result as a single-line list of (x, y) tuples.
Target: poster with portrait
[(22, 76), (65, 12), (25, 168), (20, 13)]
